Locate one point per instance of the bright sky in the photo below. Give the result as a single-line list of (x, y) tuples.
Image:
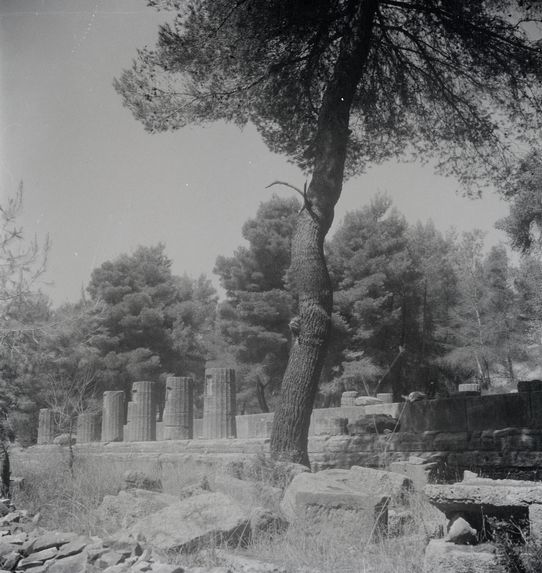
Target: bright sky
[(99, 185)]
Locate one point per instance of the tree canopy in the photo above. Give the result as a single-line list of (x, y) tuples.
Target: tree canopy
[(440, 78), (336, 85)]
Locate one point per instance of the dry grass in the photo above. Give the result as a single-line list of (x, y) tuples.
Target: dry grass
[(68, 503), (65, 501)]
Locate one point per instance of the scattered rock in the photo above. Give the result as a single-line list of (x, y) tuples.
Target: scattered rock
[(110, 558), (50, 539), (10, 560), (73, 547)]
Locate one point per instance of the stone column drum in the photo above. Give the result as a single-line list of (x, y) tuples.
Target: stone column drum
[(46, 427), (219, 403), (113, 416), (142, 412), (88, 428), (178, 418)]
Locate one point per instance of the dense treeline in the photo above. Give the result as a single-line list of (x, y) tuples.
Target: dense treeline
[(414, 309)]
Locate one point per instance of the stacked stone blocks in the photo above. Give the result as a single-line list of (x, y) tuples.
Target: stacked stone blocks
[(88, 428), (141, 419), (219, 403), (113, 416), (178, 417)]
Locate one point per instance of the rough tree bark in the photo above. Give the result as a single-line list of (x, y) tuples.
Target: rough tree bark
[(310, 276)]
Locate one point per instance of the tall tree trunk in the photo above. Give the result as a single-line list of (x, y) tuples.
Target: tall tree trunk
[(310, 276)]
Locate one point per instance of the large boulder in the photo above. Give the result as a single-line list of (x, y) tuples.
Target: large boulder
[(356, 499), (123, 510), (193, 522)]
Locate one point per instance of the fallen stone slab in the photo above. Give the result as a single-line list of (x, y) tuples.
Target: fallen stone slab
[(355, 499), (42, 555), (123, 510), (73, 547), (445, 557), (193, 522), (6, 548), (247, 493), (476, 498), (47, 540), (16, 538)]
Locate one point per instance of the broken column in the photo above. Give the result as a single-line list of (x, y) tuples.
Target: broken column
[(178, 418), (113, 416), (219, 403), (142, 413), (88, 428), (46, 427)]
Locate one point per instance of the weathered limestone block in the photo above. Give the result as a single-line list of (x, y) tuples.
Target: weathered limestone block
[(88, 428), (535, 521), (142, 412), (447, 557), (332, 427), (530, 386), (254, 425), (393, 409), (451, 441), (356, 499), (477, 498), (416, 469), (348, 398), (219, 403), (46, 427), (497, 411), (178, 418), (471, 389), (535, 412), (443, 415), (113, 416), (209, 518)]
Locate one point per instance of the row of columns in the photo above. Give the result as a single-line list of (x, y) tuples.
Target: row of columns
[(141, 425)]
